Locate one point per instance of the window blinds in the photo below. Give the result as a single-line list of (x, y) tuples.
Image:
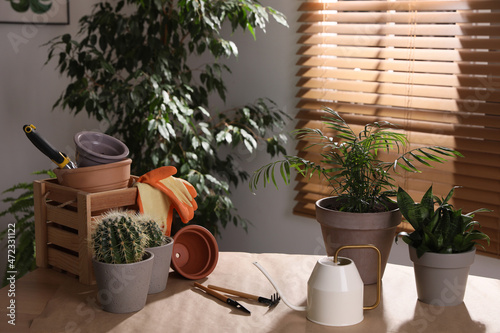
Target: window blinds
[(432, 67)]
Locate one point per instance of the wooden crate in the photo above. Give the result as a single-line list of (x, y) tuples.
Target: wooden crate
[(63, 219)]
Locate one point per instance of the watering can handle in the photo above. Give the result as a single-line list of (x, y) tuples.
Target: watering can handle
[(379, 269)]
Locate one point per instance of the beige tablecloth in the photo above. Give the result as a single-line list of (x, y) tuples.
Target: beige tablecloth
[(182, 308)]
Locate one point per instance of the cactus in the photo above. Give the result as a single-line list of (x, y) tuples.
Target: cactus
[(152, 230), (118, 239)]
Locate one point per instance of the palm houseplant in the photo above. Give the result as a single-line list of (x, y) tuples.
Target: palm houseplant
[(442, 246), (122, 266), (361, 210)]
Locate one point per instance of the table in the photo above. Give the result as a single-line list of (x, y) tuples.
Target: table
[(48, 301)]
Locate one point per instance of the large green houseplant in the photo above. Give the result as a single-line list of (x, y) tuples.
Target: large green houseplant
[(360, 181), (131, 66), (442, 245)]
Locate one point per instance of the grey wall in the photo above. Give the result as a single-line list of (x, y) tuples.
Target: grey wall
[(264, 68)]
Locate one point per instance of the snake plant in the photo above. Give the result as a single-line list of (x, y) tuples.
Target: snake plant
[(441, 230)]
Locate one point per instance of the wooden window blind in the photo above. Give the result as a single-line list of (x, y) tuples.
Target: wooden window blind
[(432, 67)]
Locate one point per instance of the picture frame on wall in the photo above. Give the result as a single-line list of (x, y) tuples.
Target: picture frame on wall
[(34, 11)]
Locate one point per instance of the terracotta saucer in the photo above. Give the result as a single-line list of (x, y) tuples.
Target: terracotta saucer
[(195, 253)]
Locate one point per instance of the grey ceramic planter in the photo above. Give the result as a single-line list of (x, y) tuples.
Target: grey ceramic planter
[(161, 266), (343, 228), (441, 279), (123, 288)]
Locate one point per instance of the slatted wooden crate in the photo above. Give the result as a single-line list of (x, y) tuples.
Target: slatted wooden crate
[(63, 219)]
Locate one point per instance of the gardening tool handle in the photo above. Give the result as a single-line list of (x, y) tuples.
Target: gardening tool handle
[(45, 147), (211, 292), (234, 292), (379, 269)]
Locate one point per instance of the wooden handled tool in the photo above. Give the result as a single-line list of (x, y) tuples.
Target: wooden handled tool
[(242, 294), (221, 297)]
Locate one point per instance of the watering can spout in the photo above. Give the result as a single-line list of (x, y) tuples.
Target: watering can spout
[(290, 305)]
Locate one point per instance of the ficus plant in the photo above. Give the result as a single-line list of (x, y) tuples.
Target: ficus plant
[(130, 68), (350, 162), (439, 227)]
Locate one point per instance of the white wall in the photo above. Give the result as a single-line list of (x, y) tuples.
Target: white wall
[(264, 68)]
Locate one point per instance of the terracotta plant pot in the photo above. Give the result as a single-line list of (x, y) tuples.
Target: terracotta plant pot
[(342, 228), (94, 148), (441, 278), (96, 178), (161, 267), (195, 253), (123, 288)]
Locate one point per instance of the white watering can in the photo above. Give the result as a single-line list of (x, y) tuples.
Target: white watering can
[(334, 290)]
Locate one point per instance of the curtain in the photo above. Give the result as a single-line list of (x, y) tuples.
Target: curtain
[(431, 67)]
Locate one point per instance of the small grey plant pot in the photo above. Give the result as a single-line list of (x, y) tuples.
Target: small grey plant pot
[(441, 278), (161, 266), (123, 288)]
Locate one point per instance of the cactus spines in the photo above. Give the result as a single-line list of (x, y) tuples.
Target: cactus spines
[(117, 239), (152, 230)]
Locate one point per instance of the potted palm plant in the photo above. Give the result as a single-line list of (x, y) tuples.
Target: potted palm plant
[(362, 211), (122, 266), (442, 246)]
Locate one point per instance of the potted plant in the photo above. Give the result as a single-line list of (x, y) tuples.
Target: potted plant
[(121, 263), (361, 212), (442, 246), (161, 246)]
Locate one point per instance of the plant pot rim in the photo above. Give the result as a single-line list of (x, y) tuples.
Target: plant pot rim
[(321, 205), (148, 253), (171, 242), (443, 260), (389, 219)]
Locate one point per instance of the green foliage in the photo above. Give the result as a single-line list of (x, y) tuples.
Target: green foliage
[(350, 162), (150, 227), (21, 210), (444, 230), (117, 239), (129, 68)]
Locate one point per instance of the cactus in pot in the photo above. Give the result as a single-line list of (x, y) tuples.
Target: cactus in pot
[(155, 236), (161, 246), (117, 239), (119, 245)]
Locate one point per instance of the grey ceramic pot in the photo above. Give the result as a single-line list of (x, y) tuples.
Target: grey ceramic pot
[(161, 266), (343, 228), (441, 278), (123, 288)]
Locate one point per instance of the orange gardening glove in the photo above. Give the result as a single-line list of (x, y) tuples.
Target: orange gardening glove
[(176, 194)]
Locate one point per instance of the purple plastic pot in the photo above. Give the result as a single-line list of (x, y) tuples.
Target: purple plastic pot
[(94, 148)]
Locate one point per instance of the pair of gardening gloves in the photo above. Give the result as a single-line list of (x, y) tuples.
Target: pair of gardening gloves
[(159, 193)]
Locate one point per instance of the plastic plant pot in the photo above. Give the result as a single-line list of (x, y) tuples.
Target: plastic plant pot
[(98, 178), (94, 148), (195, 253)]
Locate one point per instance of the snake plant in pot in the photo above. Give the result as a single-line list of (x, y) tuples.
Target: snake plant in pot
[(361, 212), (121, 263), (442, 246)]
